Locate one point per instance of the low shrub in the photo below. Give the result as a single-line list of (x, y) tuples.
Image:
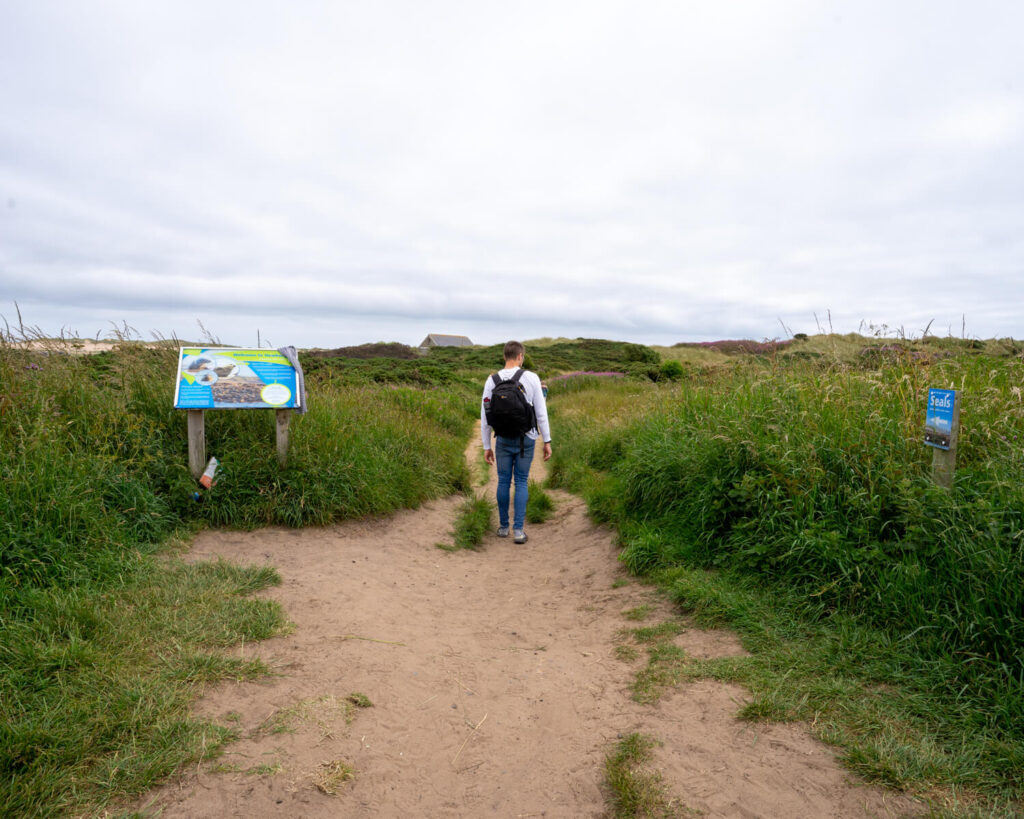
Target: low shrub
[(671, 371)]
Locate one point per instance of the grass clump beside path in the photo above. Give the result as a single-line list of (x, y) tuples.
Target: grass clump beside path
[(637, 791), (539, 505), (106, 642), (801, 486), (472, 523)]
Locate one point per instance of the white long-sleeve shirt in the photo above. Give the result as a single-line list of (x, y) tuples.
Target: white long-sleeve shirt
[(534, 396)]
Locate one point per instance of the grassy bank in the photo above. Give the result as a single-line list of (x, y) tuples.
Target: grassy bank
[(466, 367), (106, 636), (97, 678), (803, 482)]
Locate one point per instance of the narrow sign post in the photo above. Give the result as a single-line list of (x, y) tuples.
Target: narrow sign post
[(941, 431), (284, 417), (196, 442)]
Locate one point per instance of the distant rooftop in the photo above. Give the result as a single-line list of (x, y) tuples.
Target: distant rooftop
[(442, 340)]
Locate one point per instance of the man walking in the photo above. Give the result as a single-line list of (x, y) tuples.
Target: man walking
[(513, 407)]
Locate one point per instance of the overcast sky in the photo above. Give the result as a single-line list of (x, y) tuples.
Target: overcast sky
[(332, 173)]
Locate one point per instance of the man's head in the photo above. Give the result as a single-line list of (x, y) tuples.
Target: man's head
[(514, 352)]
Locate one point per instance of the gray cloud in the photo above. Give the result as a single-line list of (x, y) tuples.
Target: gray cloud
[(655, 171)]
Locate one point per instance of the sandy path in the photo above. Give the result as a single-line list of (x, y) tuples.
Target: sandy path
[(495, 688)]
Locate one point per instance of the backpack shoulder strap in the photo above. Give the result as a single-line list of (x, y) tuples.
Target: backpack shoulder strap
[(518, 375), (497, 379)]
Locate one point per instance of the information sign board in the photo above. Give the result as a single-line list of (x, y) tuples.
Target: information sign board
[(233, 378), (938, 422)]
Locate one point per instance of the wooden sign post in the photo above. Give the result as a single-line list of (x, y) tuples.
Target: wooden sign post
[(941, 431), (196, 442), (284, 417), (213, 378)]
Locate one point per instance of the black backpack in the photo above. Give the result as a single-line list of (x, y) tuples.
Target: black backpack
[(508, 412)]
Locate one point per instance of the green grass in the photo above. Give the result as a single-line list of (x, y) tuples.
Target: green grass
[(472, 523), (657, 634), (97, 680), (555, 357), (803, 482), (843, 679), (835, 348), (638, 613), (359, 700), (483, 469), (637, 790), (467, 367), (539, 505), (96, 460)]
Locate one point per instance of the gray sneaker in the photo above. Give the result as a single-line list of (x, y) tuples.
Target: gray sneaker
[(520, 536), (502, 531)]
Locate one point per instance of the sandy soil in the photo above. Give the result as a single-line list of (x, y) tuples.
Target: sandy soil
[(494, 683), (75, 346)]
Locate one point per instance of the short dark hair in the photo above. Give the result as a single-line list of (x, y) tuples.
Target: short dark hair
[(513, 349)]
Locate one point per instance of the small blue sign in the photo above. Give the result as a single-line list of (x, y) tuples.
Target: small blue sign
[(938, 423)]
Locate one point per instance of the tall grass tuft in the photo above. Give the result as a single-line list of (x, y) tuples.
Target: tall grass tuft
[(472, 523), (635, 789), (539, 506)]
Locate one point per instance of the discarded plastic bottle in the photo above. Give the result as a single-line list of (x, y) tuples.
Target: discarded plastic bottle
[(209, 476)]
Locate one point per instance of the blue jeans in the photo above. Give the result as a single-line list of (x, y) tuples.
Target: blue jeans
[(509, 463)]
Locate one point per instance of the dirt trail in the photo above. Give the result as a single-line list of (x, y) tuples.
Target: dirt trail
[(494, 684)]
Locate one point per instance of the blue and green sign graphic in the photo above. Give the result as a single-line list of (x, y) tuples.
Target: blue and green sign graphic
[(232, 378), (938, 422)]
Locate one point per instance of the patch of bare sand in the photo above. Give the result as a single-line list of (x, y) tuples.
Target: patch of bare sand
[(494, 684), (78, 346)]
